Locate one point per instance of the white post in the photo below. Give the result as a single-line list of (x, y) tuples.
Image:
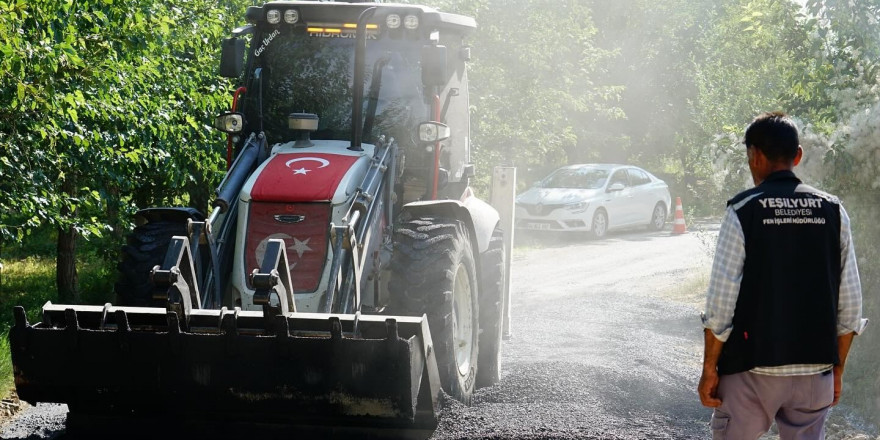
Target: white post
[(502, 199)]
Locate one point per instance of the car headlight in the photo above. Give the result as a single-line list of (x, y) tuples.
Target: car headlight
[(577, 207)]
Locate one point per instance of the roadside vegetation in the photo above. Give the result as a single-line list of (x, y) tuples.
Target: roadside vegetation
[(106, 108), (28, 280)]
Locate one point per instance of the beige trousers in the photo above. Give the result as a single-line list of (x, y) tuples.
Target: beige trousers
[(751, 402)]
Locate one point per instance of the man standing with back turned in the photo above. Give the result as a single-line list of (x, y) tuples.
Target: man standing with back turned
[(784, 299)]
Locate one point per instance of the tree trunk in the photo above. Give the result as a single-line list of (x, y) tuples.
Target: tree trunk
[(66, 278)]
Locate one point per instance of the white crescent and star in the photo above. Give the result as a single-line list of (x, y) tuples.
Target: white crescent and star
[(304, 170), (298, 246)]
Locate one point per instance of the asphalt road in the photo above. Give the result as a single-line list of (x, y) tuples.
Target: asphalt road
[(606, 345)]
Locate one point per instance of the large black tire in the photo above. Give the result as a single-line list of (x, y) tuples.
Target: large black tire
[(146, 248), (491, 310), (433, 273)]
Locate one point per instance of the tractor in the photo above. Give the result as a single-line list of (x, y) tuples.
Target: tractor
[(346, 273)]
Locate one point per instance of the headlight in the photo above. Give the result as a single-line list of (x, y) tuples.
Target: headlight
[(291, 16), (577, 207), (392, 21), (229, 122), (273, 16), (411, 22), (433, 131)]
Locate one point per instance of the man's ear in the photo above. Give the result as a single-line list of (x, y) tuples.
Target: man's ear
[(757, 157), (798, 156)]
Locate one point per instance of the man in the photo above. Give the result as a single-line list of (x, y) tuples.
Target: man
[(784, 298)]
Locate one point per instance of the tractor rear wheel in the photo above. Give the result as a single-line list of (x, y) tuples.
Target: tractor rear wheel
[(433, 272), (146, 248), (491, 310)]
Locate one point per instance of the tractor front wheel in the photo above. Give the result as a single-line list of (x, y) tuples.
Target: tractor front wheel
[(433, 273)]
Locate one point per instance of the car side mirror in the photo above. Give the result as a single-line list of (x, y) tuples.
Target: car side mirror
[(538, 184), (616, 187)]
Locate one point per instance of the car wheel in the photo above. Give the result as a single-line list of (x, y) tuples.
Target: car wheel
[(658, 217), (600, 224)]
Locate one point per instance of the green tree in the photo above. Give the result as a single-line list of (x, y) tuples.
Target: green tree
[(104, 109), (745, 64), (536, 99)]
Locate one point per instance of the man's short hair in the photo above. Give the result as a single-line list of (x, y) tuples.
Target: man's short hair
[(775, 134)]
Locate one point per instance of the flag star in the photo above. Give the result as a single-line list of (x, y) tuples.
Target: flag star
[(300, 247), (301, 171)]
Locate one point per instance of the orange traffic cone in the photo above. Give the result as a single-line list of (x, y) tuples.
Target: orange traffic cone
[(678, 227)]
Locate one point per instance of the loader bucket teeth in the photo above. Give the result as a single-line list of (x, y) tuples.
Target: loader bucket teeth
[(21, 320), (391, 330), (335, 329), (311, 370), (122, 321)]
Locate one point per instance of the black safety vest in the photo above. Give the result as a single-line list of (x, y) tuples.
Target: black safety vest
[(786, 312)]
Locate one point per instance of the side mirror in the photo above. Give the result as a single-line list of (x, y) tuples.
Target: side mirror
[(229, 122), (538, 184), (616, 187), (232, 58), (434, 65), (430, 132)]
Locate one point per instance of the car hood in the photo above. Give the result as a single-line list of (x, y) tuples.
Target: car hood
[(556, 196)]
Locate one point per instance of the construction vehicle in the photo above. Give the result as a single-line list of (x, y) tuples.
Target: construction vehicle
[(346, 274)]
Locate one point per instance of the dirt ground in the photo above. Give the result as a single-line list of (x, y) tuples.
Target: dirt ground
[(10, 407)]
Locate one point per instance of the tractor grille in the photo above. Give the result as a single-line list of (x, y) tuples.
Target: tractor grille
[(305, 229)]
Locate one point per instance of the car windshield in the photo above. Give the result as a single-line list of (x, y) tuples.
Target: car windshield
[(580, 178), (312, 72)]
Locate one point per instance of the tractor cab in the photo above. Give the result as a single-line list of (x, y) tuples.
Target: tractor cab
[(303, 58)]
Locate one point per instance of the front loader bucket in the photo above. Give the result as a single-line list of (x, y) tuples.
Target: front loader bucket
[(299, 369)]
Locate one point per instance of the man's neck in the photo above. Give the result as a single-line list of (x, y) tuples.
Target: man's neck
[(770, 170)]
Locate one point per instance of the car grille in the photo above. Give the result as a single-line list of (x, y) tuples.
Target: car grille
[(540, 209)]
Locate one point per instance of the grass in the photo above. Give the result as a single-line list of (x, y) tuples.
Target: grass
[(30, 282), (691, 291)]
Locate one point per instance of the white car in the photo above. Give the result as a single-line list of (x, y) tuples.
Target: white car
[(594, 198)]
